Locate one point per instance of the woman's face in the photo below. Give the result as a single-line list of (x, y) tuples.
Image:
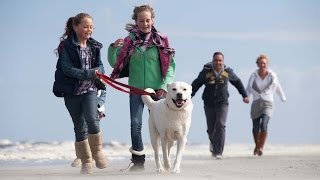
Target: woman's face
[(262, 64), (144, 21)]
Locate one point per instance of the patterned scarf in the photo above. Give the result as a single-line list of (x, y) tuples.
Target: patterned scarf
[(147, 40)]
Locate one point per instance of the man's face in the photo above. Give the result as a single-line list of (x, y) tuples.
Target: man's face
[(218, 62)]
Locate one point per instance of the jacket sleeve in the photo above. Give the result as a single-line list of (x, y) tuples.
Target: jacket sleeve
[(113, 54), (249, 86), (236, 82), (170, 74), (279, 90), (99, 63), (71, 71), (198, 82)]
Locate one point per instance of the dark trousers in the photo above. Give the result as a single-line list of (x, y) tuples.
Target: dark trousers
[(216, 124)]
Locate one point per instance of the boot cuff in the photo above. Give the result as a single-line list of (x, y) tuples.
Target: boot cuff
[(139, 153)]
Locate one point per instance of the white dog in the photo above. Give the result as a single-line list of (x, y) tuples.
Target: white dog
[(169, 121)]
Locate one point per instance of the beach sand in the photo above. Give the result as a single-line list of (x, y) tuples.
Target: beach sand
[(266, 167)]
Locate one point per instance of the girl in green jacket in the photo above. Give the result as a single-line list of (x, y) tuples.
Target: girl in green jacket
[(146, 58)]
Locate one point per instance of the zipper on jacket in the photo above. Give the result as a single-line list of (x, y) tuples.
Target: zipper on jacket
[(144, 69), (215, 90)]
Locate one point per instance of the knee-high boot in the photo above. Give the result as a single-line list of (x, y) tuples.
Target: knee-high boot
[(262, 140), (95, 142), (256, 137), (83, 149)]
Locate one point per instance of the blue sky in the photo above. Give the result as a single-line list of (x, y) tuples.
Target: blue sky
[(288, 31)]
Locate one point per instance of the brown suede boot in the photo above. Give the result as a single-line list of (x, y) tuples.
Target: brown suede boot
[(262, 140), (95, 141), (77, 161), (83, 149), (256, 137)]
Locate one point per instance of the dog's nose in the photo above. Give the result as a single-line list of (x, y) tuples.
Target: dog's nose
[(179, 96)]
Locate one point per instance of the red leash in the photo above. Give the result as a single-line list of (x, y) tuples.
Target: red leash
[(132, 89)]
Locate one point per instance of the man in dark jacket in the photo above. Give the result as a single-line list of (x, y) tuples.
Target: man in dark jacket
[(215, 76)]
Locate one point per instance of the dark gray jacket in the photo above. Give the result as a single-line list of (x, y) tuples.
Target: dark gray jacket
[(216, 87), (68, 69)]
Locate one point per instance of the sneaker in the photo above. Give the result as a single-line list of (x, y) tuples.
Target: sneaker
[(219, 156), (212, 151), (211, 147)]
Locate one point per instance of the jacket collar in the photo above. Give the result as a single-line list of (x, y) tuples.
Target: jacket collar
[(74, 39)]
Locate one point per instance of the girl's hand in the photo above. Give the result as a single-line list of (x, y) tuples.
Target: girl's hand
[(161, 93), (118, 42)]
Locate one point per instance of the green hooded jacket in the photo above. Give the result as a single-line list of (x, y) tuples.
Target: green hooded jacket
[(144, 68)]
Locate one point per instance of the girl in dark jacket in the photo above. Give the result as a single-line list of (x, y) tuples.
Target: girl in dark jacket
[(79, 60)]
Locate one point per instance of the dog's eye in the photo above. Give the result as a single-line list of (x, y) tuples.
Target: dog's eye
[(184, 89), (174, 89)]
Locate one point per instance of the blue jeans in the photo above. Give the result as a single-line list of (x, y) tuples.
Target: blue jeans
[(136, 111), (260, 123), (216, 124), (84, 114)]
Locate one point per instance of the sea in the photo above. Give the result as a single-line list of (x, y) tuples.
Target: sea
[(61, 152)]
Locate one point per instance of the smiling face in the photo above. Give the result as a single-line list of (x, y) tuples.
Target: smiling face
[(218, 62), (262, 64), (84, 29), (179, 94), (144, 21)]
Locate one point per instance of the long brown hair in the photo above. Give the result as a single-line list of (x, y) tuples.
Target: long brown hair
[(72, 21)]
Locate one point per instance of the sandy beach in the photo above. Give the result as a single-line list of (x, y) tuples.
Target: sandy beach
[(265, 167), (27, 160)]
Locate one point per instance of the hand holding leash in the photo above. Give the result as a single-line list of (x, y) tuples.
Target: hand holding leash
[(132, 90)]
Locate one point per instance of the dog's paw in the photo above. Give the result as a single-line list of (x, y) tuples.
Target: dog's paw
[(161, 170), (175, 170), (167, 166), (149, 90)]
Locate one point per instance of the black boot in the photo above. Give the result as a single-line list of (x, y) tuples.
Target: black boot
[(138, 163)]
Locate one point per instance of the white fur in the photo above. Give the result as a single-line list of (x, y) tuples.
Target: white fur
[(169, 123)]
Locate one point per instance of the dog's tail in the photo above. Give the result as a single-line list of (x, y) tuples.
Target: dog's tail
[(147, 100)]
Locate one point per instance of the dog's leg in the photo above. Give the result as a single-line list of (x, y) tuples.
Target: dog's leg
[(155, 142), (165, 153), (170, 144), (181, 143)]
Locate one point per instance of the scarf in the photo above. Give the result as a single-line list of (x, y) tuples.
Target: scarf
[(147, 40)]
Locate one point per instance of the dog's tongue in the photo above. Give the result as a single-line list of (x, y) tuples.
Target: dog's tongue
[(179, 101)]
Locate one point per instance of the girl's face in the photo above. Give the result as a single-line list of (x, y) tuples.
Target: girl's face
[(144, 21), (262, 64), (84, 29)]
